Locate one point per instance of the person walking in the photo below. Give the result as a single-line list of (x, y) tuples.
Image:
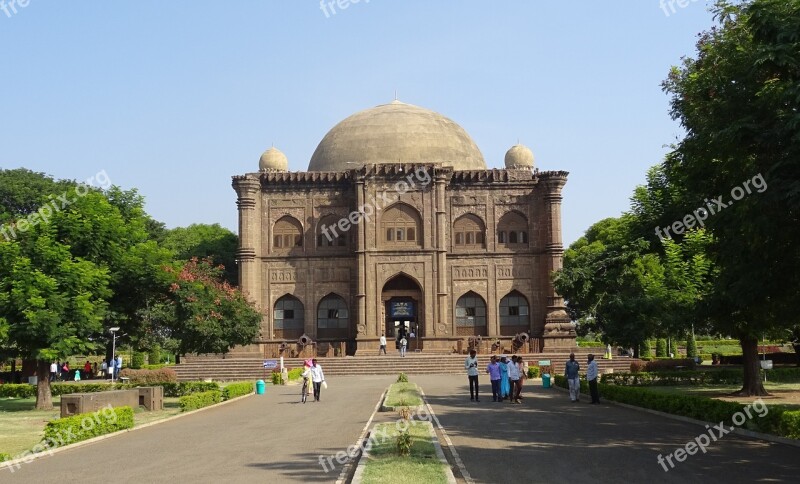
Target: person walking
[(523, 375), (571, 372), (306, 382), (471, 365), (87, 370), (103, 369), (403, 346), (505, 388), (383, 344), (317, 378), (591, 376), (493, 369), (513, 377), (118, 365), (53, 371)]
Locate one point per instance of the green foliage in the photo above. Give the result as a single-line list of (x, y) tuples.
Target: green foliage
[(402, 378), (153, 356), (277, 379), (645, 350), (10, 390), (202, 312), (155, 367), (790, 424), (691, 346), (4, 457), (533, 372), (188, 388), (194, 401), (68, 388), (775, 421), (206, 241), (403, 443), (661, 348), (295, 374), (150, 377), (88, 425), (239, 389), (138, 360)]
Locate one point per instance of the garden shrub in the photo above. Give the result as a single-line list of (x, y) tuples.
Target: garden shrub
[(68, 388), (149, 377), (790, 424), (237, 390), (691, 347), (661, 348), (154, 367), (670, 364), (199, 400), (402, 378), (295, 374), (645, 350), (638, 366), (154, 355), (87, 425), (533, 372), (12, 390), (277, 379), (4, 457), (183, 388), (138, 360)]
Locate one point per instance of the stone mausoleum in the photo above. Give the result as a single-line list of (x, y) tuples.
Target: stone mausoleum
[(398, 227)]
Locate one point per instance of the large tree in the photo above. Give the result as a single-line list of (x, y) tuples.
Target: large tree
[(206, 241), (739, 102)]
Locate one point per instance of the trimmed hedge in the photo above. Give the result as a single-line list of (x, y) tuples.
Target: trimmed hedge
[(13, 390), (295, 374), (150, 377), (199, 400), (533, 372), (237, 390), (777, 421), (68, 430), (187, 388), (726, 376), (662, 365)]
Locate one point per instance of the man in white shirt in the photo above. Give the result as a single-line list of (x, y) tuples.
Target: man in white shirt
[(53, 371), (383, 344), (317, 378), (591, 376), (513, 377), (471, 365)]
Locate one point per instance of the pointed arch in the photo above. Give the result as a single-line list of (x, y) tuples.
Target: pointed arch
[(288, 317), (469, 232), (470, 314), (512, 230), (514, 314), (401, 225), (287, 233)]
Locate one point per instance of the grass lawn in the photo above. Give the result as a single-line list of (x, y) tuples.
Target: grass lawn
[(782, 393), (386, 467), (22, 427), (403, 395)]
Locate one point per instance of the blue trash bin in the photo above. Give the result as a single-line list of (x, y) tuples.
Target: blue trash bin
[(546, 380), (260, 387)]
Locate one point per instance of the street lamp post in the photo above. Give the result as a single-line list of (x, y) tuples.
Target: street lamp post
[(113, 350)]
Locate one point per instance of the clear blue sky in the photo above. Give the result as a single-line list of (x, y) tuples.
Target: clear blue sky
[(175, 97)]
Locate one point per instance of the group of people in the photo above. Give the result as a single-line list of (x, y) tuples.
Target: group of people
[(401, 343), (573, 379), (313, 380), (62, 372), (506, 375)]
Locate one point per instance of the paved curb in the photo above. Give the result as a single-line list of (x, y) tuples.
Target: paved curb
[(464, 472), (734, 430), (32, 457)]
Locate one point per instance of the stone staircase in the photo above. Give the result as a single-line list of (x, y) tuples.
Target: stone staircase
[(218, 369)]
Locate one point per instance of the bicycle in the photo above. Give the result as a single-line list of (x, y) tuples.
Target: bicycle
[(304, 393)]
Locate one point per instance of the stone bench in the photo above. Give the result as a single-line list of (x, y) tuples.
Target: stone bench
[(77, 403)]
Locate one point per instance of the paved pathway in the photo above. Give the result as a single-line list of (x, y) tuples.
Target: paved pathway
[(549, 439), (269, 438)]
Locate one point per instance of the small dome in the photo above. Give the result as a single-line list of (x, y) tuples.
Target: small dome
[(519, 156), (273, 160)]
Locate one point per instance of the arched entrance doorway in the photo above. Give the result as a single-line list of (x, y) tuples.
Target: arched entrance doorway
[(402, 300)]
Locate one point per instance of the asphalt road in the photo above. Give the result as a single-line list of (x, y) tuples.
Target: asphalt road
[(549, 439), (269, 438)]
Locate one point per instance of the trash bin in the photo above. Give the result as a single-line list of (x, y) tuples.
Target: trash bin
[(260, 387), (546, 380)]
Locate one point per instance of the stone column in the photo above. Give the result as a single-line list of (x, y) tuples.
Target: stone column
[(559, 331), (442, 292), (248, 190), (363, 327)]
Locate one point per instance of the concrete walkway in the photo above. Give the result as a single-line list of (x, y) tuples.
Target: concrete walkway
[(270, 438), (549, 439)]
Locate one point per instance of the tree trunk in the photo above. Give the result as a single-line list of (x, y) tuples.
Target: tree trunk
[(44, 398), (797, 354), (752, 384)]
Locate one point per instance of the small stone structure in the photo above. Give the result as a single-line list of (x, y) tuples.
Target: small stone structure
[(77, 403)]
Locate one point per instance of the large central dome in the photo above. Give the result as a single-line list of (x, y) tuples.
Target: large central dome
[(396, 133)]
